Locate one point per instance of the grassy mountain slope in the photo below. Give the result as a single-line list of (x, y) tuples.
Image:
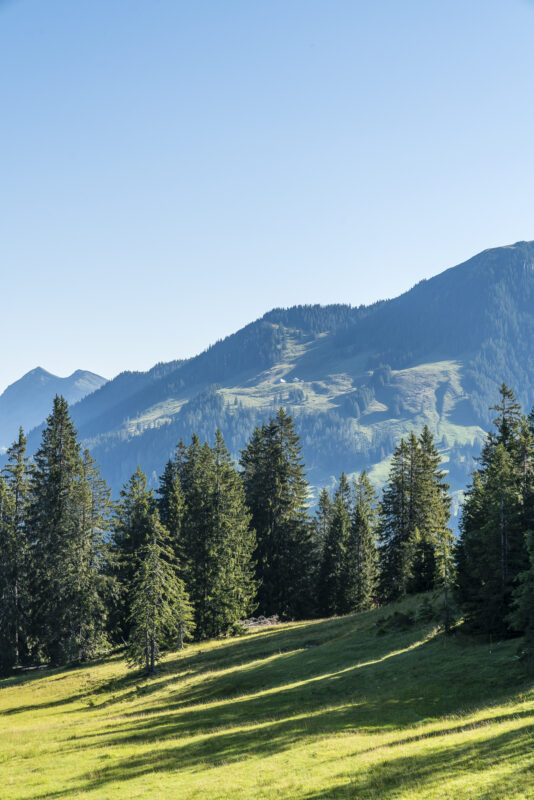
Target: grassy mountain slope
[(356, 379), (323, 709)]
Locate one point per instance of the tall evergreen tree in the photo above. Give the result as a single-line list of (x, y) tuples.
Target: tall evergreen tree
[(333, 574), (277, 496), (394, 527), (160, 611), (66, 528), (218, 539), (171, 506), (8, 609), (491, 551), (131, 532), (362, 556), (322, 522), (14, 554), (415, 541), (433, 542)]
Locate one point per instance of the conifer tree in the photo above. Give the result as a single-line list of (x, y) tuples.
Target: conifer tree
[(90, 596), (14, 554), (277, 496), (322, 522), (333, 575), (171, 506), (131, 532), (8, 611), (362, 556), (415, 542), (66, 514), (394, 527), (491, 551), (433, 543), (160, 611), (219, 542)]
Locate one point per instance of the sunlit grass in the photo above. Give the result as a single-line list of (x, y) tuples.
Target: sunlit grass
[(325, 709)]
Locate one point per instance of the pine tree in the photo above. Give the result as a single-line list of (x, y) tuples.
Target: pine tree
[(277, 496), (322, 522), (433, 561), (333, 574), (8, 609), (521, 617), (218, 539), (66, 520), (394, 527), (491, 551), (131, 532), (171, 506), (415, 542), (362, 555), (14, 554), (91, 591), (160, 611)]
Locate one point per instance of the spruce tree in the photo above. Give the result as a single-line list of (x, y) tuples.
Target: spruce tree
[(14, 554), (277, 495), (521, 617), (333, 574), (67, 522), (492, 552), (8, 560), (131, 532), (415, 541), (218, 540), (362, 556), (160, 613), (394, 527), (433, 543), (322, 522), (91, 595), (171, 507)]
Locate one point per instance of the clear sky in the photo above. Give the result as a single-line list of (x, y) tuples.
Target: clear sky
[(171, 170)]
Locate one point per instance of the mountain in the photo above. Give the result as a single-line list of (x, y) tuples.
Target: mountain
[(27, 402), (355, 378)]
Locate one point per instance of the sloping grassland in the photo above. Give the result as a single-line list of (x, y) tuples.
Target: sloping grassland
[(322, 709)]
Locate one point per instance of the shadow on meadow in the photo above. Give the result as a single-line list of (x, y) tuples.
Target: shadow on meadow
[(430, 770), (384, 779), (352, 692), (259, 695), (189, 664)]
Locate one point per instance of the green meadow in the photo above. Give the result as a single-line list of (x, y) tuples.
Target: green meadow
[(322, 709)]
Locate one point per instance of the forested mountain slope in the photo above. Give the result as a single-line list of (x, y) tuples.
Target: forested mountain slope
[(355, 378)]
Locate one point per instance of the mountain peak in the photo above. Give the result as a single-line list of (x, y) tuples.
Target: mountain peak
[(28, 401)]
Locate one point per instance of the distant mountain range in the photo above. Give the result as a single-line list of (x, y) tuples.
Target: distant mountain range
[(356, 379), (27, 402)]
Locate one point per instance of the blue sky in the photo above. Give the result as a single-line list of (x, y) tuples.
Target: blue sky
[(171, 170)]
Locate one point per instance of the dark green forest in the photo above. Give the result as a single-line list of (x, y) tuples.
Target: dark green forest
[(217, 541)]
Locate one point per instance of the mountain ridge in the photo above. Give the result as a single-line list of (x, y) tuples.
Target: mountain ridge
[(355, 378), (27, 401)]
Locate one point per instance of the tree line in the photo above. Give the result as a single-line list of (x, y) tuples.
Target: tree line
[(216, 541)]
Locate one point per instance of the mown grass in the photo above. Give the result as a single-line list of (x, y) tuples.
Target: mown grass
[(323, 709)]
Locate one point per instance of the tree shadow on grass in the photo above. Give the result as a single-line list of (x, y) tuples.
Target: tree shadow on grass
[(411, 774), (188, 664), (383, 779)]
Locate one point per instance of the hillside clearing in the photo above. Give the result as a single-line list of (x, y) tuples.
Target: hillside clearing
[(322, 709)]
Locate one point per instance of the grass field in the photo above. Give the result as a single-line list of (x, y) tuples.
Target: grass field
[(323, 709)]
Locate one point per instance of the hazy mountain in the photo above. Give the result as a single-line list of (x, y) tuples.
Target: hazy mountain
[(355, 378), (27, 402)]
